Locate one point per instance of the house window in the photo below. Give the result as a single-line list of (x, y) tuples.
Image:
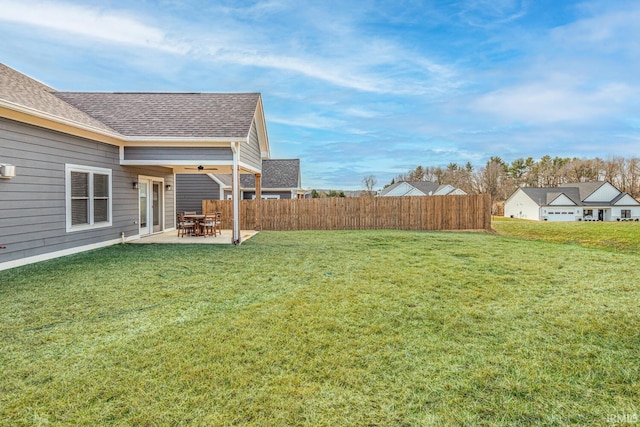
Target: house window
[(88, 197), (588, 212), (625, 213), (267, 196)]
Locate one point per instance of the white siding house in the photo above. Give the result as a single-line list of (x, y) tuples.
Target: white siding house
[(520, 205), (420, 188), (589, 201)]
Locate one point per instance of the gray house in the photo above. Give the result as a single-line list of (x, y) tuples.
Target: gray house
[(82, 170), (281, 179)]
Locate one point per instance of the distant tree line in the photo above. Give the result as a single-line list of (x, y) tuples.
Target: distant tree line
[(316, 194), (499, 178)]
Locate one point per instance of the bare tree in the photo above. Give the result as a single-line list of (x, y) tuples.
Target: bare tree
[(500, 179), (369, 182), (633, 174), (494, 180)]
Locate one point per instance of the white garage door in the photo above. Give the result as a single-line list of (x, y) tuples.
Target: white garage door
[(561, 215)]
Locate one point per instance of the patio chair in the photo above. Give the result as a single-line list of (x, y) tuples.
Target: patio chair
[(184, 226), (208, 225), (219, 222)]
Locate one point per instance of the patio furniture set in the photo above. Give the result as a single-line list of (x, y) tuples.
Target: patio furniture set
[(193, 224)]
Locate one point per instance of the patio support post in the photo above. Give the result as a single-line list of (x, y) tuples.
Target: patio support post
[(235, 191), (258, 217)]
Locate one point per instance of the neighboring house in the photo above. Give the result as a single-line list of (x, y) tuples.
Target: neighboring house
[(420, 188), (587, 201), (308, 194), (81, 170), (281, 179)]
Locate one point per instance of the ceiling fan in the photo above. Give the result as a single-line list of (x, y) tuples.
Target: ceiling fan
[(202, 168)]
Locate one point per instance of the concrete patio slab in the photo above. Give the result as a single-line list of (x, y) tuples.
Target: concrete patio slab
[(172, 237)]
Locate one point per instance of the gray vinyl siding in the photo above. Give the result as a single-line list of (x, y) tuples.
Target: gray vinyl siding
[(33, 206), (191, 190), (250, 152), (178, 153)]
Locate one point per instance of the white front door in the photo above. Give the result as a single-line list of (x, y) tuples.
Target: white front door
[(151, 205)]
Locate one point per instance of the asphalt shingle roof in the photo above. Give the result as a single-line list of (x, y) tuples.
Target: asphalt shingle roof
[(577, 192), (586, 188), (545, 195), (188, 115), (19, 89), (180, 115), (276, 173), (426, 186)]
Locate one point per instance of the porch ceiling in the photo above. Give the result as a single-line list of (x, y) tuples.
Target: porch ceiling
[(204, 169)]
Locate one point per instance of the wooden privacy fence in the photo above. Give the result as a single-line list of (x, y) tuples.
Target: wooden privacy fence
[(470, 212)]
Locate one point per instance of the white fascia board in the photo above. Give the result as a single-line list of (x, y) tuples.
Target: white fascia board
[(444, 190), (627, 200), (216, 180), (516, 192), (401, 190), (530, 198), (415, 192), (146, 141), (563, 200), (47, 116), (172, 163), (261, 128), (246, 167)]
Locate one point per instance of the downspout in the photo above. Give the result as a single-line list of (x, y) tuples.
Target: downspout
[(235, 191), (258, 200)]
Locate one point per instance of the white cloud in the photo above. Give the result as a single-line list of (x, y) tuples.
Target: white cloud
[(610, 30), (488, 13), (310, 121), (555, 101), (382, 67), (306, 67), (96, 23)]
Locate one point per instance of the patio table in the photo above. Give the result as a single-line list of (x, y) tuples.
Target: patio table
[(196, 220)]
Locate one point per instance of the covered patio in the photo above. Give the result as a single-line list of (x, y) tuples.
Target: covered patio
[(226, 238), (182, 133)]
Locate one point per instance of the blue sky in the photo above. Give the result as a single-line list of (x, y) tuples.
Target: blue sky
[(363, 87)]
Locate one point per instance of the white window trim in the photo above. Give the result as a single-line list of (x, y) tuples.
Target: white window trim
[(68, 168), (267, 196)]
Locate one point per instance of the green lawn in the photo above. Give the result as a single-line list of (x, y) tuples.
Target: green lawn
[(614, 236), (323, 329)]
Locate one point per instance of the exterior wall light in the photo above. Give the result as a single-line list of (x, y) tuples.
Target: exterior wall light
[(7, 171), (135, 185)]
